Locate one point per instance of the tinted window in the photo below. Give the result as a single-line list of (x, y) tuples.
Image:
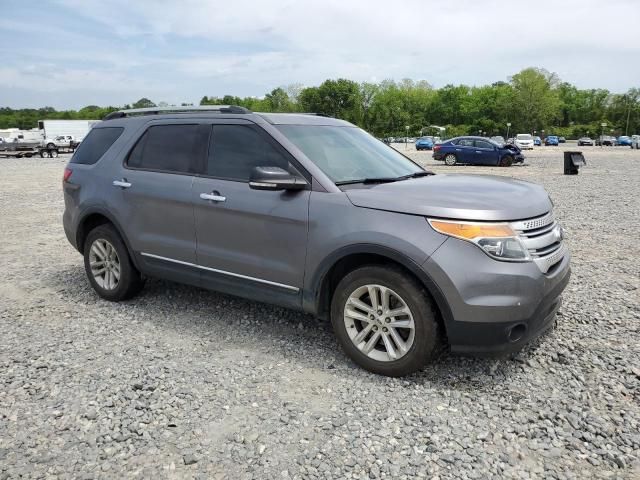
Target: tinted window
[(465, 142), (169, 148), (95, 145), (235, 150), (483, 144)]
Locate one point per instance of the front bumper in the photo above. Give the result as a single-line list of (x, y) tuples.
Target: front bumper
[(494, 306)]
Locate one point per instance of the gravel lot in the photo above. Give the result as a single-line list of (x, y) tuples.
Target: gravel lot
[(185, 383)]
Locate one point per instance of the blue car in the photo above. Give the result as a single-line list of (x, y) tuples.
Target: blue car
[(552, 140), (624, 141), (537, 141), (424, 143), (477, 151)]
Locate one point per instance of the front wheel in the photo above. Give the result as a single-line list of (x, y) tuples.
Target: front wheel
[(506, 161), (385, 321), (108, 265), (450, 159)]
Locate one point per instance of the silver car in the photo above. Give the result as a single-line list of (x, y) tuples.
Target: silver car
[(313, 213)]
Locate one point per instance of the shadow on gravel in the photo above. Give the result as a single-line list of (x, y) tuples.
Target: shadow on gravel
[(181, 307)]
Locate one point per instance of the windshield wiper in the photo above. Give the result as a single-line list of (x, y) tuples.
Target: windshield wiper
[(370, 180), (385, 179)]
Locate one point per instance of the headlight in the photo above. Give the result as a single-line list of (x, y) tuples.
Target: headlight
[(498, 240)]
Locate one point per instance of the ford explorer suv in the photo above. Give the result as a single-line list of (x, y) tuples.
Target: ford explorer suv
[(312, 213)]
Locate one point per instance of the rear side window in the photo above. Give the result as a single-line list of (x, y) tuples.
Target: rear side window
[(236, 149), (96, 144), (465, 142), (167, 148)]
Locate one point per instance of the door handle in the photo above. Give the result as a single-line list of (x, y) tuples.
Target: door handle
[(213, 197), (478, 151), (458, 150), (121, 183)]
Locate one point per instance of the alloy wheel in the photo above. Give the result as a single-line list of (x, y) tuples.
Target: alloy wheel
[(379, 323), (105, 264)]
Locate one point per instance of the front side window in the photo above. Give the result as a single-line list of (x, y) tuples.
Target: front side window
[(96, 144), (235, 150), (483, 144), (347, 154), (167, 148), (466, 142)]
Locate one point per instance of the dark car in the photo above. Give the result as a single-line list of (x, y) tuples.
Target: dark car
[(606, 141), (585, 141), (562, 140), (477, 151)]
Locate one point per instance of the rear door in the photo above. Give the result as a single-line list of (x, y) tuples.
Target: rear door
[(464, 150), (152, 196), (249, 242), (485, 153)]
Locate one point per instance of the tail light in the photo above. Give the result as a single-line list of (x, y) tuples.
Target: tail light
[(436, 148), (67, 174)]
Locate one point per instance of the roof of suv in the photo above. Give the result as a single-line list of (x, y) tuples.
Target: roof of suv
[(147, 114)]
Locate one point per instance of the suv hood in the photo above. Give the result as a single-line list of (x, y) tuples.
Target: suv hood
[(460, 197)]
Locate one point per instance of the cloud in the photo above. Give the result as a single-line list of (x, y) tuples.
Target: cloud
[(183, 50)]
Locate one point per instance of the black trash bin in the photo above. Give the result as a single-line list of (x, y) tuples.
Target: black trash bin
[(572, 162)]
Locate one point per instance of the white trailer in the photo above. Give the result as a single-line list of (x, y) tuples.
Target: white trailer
[(78, 129)]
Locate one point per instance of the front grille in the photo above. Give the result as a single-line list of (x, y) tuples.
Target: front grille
[(542, 237)]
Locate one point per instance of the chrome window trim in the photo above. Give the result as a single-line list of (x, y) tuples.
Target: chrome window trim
[(223, 272)]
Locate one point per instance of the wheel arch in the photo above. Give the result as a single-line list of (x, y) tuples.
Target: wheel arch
[(91, 219), (317, 297)]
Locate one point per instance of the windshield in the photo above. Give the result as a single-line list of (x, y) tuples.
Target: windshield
[(524, 137), (346, 154)]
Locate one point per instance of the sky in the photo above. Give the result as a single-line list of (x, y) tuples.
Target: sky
[(73, 53)]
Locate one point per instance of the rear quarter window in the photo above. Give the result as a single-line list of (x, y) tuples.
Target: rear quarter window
[(96, 144)]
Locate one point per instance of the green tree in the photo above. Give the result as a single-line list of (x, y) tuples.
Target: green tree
[(536, 100)]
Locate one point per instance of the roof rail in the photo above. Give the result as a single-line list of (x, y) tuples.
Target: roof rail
[(187, 109)]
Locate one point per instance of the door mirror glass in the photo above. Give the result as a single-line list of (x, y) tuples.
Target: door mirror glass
[(275, 178)]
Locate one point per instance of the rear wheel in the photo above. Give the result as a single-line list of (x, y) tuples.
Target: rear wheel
[(51, 146), (384, 320), (53, 153), (450, 159), (108, 265)]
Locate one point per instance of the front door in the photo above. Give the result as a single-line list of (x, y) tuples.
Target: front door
[(485, 153), (249, 242)]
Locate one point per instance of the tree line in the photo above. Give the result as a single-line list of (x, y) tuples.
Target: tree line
[(533, 100)]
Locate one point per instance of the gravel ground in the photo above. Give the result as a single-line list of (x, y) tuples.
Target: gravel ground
[(185, 383)]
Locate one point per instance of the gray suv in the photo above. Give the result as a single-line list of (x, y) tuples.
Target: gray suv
[(312, 213)]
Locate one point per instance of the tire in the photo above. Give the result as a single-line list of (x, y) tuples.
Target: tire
[(450, 159), (506, 161), (51, 146), (421, 341), (53, 153), (43, 153), (102, 243)]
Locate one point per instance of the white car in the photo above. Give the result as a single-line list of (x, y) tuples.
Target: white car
[(59, 141), (635, 142), (524, 141)]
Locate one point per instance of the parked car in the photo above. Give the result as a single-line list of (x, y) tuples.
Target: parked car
[(552, 140), (524, 141), (59, 141), (562, 140), (606, 141), (424, 143), (624, 141), (585, 141), (411, 258), (477, 151), (635, 141), (537, 141)]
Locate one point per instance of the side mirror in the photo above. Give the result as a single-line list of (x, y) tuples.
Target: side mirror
[(274, 178)]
